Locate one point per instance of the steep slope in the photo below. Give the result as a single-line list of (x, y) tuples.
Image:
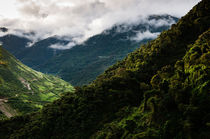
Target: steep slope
[(83, 63), (24, 89), (177, 105), (159, 91)]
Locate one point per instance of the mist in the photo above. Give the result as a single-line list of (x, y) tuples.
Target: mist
[(81, 19)]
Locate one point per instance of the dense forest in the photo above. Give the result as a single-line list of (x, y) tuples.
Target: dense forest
[(161, 90)]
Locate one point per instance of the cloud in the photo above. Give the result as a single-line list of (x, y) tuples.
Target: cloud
[(62, 46), (78, 20), (160, 22), (144, 35)]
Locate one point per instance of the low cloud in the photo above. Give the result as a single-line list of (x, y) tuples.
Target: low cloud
[(59, 46), (160, 22), (144, 35), (78, 20), (30, 44)]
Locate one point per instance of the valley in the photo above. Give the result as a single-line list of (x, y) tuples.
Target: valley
[(24, 90), (159, 90), (84, 62)]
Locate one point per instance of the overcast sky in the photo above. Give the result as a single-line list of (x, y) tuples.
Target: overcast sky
[(82, 18)]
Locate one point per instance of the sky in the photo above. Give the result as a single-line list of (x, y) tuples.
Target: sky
[(78, 20)]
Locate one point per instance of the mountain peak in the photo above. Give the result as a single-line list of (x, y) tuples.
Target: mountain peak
[(3, 29), (161, 90)]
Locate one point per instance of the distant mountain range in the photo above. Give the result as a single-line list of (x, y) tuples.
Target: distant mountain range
[(159, 91), (83, 63), (32, 56)]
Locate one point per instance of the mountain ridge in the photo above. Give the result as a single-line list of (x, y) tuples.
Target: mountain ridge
[(161, 90), (83, 63)]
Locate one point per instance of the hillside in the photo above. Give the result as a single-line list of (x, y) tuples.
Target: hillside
[(83, 63), (161, 90), (23, 90)]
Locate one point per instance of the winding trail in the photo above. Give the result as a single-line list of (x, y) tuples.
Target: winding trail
[(26, 84)]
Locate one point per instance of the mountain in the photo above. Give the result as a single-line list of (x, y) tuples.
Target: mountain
[(3, 29), (83, 63), (31, 54), (39, 53), (23, 90), (160, 90), (14, 44)]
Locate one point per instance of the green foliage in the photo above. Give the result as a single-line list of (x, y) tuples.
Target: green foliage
[(159, 91), (25, 89)]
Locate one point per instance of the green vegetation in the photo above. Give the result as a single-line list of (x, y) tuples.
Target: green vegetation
[(25, 89), (159, 91)]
